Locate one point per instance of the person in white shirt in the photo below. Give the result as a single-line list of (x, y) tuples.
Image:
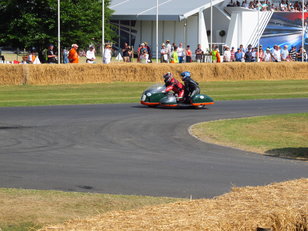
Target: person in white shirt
[(245, 4), (268, 55), (276, 54), (254, 54), (181, 53), (144, 57), (227, 54), (164, 54), (169, 48), (90, 55), (107, 54), (285, 53)]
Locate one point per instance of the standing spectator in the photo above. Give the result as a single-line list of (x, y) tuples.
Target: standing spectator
[(301, 54), (227, 54), (254, 54), (181, 53), (173, 46), (218, 54), (245, 4), (285, 53), (51, 57), (283, 6), (174, 55), (31, 57), (73, 54), (107, 54), (65, 56), (242, 48), (188, 53), (268, 55), (214, 55), (149, 51), (144, 57), (164, 56), (168, 46), (232, 54), (239, 55), (90, 55), (125, 51), (276, 54), (141, 50), (261, 54), (292, 53), (199, 53), (248, 55), (130, 53)]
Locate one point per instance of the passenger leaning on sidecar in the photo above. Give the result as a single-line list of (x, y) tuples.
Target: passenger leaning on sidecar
[(191, 86), (174, 85)]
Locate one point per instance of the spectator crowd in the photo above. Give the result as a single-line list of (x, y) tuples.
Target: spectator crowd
[(172, 53), (285, 6), (169, 53)]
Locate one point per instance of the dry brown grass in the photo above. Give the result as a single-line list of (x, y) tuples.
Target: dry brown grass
[(97, 73), (40, 207), (280, 206)]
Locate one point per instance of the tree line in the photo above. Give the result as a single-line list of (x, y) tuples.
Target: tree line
[(28, 24)]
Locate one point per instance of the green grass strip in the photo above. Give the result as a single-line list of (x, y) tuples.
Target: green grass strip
[(130, 92), (277, 135)]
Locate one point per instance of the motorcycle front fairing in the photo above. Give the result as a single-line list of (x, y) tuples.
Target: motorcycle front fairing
[(152, 95)]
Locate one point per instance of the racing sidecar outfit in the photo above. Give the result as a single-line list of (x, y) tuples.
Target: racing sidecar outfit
[(175, 86)]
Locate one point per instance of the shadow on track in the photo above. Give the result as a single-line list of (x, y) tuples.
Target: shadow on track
[(170, 108), (300, 153), (12, 127)]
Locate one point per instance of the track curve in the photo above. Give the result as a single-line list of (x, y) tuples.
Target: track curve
[(131, 149)]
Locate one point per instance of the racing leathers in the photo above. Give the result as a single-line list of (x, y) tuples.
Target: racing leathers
[(175, 86), (191, 89)]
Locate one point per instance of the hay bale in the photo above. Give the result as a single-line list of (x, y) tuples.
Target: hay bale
[(11, 74), (278, 207), (46, 74)]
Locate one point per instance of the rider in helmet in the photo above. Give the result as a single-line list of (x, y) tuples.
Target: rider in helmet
[(174, 85), (191, 86)]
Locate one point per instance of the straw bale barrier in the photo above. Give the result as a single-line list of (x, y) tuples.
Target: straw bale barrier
[(277, 207), (133, 72)]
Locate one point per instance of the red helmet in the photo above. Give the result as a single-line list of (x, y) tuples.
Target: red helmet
[(168, 76)]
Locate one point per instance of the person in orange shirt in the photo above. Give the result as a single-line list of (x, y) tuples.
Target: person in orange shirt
[(188, 54), (73, 54), (31, 57)]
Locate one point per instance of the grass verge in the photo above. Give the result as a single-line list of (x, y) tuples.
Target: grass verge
[(120, 92), (22, 209), (278, 135), (280, 207)]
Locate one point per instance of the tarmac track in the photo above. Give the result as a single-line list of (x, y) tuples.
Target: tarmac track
[(132, 149)]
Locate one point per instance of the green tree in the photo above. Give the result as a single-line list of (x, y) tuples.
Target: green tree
[(33, 23)]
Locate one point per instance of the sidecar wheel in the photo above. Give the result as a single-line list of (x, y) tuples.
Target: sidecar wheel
[(200, 107)]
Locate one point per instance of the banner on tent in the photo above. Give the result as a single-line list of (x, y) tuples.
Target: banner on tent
[(285, 28)]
